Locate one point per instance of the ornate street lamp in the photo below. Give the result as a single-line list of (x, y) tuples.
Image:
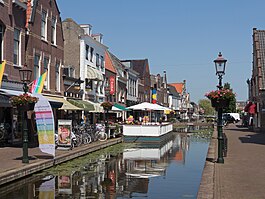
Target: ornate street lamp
[(25, 77), (220, 63)]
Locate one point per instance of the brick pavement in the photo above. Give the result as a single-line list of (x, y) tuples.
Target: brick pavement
[(242, 176)]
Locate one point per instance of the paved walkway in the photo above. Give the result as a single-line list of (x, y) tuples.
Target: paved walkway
[(243, 173)]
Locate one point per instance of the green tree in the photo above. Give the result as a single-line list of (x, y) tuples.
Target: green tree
[(232, 105), (206, 105)]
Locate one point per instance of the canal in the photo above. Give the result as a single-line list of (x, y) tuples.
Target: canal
[(171, 168)]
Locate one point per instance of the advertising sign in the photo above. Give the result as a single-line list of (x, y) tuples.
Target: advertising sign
[(64, 132), (112, 85)]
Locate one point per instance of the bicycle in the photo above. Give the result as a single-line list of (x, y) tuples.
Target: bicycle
[(3, 131), (100, 133)]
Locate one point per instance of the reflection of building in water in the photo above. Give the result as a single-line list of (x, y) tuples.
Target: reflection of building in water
[(180, 147), (143, 162)]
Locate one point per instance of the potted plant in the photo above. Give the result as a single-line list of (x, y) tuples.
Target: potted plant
[(107, 105), (24, 102), (220, 98)]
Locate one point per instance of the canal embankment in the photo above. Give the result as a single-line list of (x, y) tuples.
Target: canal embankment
[(12, 168)]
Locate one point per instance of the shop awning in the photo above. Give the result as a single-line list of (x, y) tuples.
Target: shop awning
[(94, 74), (85, 105), (117, 107), (97, 107), (11, 92), (65, 104)]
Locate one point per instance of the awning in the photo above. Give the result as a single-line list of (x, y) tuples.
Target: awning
[(65, 104), (11, 92), (85, 105), (97, 107), (5, 94), (94, 74), (119, 107)]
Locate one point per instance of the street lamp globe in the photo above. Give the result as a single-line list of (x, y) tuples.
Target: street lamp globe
[(220, 63), (25, 74), (25, 77)]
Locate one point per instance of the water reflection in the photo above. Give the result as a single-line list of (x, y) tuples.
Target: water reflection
[(171, 169)]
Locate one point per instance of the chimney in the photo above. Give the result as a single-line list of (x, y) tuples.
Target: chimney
[(28, 13), (87, 28)]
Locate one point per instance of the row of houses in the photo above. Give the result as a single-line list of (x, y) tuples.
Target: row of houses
[(80, 68), (256, 83)]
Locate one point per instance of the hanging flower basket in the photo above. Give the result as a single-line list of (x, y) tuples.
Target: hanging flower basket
[(107, 106), (26, 107), (220, 98), (221, 103), (24, 102)]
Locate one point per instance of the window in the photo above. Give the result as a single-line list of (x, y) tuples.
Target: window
[(88, 84), (36, 71), (57, 76), (1, 41), (69, 71), (43, 24), (46, 68), (53, 31), (97, 60), (102, 62), (87, 51), (16, 46), (91, 54)]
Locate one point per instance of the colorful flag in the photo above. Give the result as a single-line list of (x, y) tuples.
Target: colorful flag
[(38, 84), (2, 69)]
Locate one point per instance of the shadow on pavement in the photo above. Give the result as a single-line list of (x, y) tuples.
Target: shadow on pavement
[(257, 138)]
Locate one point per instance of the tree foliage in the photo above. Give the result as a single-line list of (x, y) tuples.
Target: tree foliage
[(206, 105), (232, 105)]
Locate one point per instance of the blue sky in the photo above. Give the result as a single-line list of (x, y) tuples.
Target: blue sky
[(182, 37)]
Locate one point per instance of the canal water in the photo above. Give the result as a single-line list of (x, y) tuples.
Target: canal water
[(171, 168)]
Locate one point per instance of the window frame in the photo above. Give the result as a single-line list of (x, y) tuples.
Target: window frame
[(44, 24), (57, 76), (2, 32), (46, 68), (17, 52), (36, 73), (91, 54), (53, 30)]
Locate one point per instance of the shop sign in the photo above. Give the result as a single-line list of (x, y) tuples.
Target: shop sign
[(112, 85), (64, 133)]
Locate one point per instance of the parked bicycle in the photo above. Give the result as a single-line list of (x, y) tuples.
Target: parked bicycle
[(100, 133), (3, 131)]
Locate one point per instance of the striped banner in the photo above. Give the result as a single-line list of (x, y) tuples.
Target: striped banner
[(45, 125)]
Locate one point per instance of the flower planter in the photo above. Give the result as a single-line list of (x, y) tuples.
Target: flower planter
[(220, 103), (26, 107)]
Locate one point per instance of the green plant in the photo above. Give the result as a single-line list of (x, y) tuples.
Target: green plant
[(23, 100), (106, 105), (223, 94)]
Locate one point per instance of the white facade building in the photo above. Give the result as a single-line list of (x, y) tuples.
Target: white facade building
[(92, 65)]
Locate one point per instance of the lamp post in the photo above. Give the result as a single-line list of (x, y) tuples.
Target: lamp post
[(220, 63), (25, 77)]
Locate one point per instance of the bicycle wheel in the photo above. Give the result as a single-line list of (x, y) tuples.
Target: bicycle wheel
[(78, 140), (87, 139), (102, 136)]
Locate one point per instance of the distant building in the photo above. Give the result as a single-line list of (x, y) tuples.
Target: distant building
[(257, 82)]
